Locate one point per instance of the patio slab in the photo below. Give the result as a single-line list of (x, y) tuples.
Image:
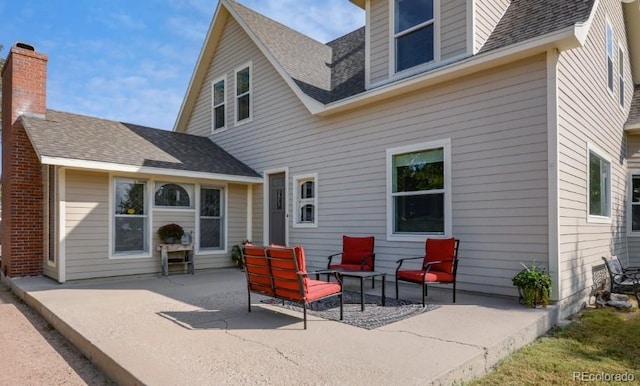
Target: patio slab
[(195, 329)]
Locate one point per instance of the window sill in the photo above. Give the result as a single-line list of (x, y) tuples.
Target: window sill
[(416, 238), (208, 252), (242, 122), (598, 220), (219, 130), (124, 256), (305, 225)]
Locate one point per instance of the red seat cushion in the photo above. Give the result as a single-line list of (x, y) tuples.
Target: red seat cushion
[(415, 275), (354, 249), (440, 249), (317, 289)]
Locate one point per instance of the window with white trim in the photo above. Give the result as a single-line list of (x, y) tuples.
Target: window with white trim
[(219, 99), (621, 76), (419, 187), (306, 200), (413, 33), (609, 31), (212, 219), (131, 221), (635, 203), (173, 195), (599, 185), (243, 94)]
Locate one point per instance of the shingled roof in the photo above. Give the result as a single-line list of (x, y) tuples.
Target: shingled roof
[(63, 135), (634, 113), (527, 19)]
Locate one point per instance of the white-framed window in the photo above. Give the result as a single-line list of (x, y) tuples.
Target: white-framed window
[(599, 186), (413, 33), (243, 103), (610, 49), (419, 191), (172, 195), (621, 81), (131, 219), (305, 190), (212, 218), (634, 201), (219, 103)]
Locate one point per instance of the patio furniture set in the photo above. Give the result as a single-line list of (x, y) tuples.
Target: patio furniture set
[(280, 272)]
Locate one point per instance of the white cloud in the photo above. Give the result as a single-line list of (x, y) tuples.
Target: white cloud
[(324, 22)]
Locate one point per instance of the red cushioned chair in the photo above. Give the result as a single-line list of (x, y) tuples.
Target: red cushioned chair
[(439, 265), (280, 272), (357, 255)]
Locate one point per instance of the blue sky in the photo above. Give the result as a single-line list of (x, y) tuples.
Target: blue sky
[(131, 61)]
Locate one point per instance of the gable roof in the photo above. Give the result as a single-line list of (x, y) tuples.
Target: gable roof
[(526, 19), (76, 140), (328, 78)]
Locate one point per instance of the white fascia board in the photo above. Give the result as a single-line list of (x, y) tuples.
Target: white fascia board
[(582, 29), (113, 167), (632, 128), (564, 39)]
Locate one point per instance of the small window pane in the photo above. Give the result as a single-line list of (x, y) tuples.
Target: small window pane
[(210, 203), (418, 171), (414, 48), (306, 214), (243, 107), (129, 198), (599, 182), (218, 93), (172, 195), (211, 233), (610, 73), (419, 213), (410, 13), (635, 193), (306, 191), (635, 218), (242, 79), (219, 117), (130, 234)]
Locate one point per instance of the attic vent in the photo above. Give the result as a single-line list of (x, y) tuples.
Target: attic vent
[(25, 46)]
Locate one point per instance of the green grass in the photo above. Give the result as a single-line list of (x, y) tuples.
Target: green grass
[(602, 341)]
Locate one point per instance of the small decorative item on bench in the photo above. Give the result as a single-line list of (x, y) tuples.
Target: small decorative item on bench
[(170, 233), (534, 286)]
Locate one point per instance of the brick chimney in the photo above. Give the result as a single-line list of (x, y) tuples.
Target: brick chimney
[(24, 78)]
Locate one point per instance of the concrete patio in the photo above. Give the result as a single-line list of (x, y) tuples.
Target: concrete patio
[(195, 330)]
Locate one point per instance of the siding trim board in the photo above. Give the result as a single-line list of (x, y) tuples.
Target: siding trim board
[(553, 173), (62, 223)]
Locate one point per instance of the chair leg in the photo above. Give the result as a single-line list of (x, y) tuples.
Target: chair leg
[(454, 291), (341, 305), (249, 299), (373, 282), (396, 286), (304, 312), (424, 295)]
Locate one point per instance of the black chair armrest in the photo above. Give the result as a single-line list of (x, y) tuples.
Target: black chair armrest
[(331, 257), (427, 266), (336, 274), (401, 261)]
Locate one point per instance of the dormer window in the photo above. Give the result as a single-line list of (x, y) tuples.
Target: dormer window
[(413, 33)]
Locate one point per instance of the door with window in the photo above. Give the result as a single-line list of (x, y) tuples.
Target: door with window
[(277, 211)]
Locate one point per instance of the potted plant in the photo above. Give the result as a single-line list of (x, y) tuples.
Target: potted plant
[(170, 233), (236, 253), (534, 286)]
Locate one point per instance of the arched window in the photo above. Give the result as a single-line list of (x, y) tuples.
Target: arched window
[(306, 204), (173, 195)]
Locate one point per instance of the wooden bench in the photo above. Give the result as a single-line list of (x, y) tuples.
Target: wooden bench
[(280, 272)]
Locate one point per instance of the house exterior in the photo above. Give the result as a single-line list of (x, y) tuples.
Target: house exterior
[(510, 125)]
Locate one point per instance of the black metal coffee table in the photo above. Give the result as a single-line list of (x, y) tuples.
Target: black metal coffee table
[(362, 275)]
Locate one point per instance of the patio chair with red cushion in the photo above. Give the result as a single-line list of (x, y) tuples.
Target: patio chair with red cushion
[(357, 255), (280, 272), (439, 265)]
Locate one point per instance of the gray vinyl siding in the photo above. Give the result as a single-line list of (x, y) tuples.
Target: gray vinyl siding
[(87, 221), (453, 28), (633, 163), (380, 31), (588, 114), (496, 121), (487, 16)]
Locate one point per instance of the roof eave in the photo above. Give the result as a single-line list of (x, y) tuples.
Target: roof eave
[(359, 3), (568, 38), (124, 168)]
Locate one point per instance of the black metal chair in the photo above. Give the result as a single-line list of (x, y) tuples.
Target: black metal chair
[(622, 281)]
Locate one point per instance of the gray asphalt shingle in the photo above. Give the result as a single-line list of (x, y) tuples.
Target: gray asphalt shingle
[(80, 137)]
